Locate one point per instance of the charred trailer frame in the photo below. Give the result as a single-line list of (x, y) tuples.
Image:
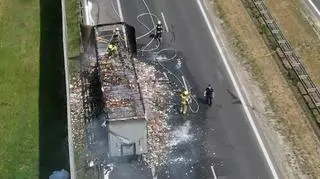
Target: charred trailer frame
[(123, 108)]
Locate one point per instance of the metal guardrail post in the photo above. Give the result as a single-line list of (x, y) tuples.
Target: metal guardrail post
[(290, 55)]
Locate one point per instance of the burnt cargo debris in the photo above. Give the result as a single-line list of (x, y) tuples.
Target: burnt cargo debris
[(124, 111), (107, 106)]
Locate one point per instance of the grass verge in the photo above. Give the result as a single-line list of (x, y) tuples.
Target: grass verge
[(73, 26), (296, 28), (32, 96), (19, 88), (290, 121), (74, 39)]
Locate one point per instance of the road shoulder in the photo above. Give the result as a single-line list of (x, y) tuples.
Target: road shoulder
[(268, 93)]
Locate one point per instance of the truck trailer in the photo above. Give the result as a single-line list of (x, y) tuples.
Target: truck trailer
[(113, 115)]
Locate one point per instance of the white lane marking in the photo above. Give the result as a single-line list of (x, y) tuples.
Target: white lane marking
[(213, 172), (314, 7), (244, 103), (91, 21), (153, 171), (165, 22), (122, 20), (86, 14), (120, 10)]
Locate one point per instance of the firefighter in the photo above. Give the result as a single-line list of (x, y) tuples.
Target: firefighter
[(185, 99), (159, 29), (116, 35), (209, 93), (112, 48)]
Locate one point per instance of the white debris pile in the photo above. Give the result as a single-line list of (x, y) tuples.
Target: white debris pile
[(77, 112), (157, 98), (181, 135)]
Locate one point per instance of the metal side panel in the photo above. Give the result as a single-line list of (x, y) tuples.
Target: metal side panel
[(127, 137)]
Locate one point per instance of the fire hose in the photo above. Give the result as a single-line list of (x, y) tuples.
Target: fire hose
[(151, 30)]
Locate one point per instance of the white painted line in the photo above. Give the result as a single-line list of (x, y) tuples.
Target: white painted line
[(314, 7), (91, 21), (214, 173), (120, 10), (153, 171), (164, 21), (86, 13), (244, 103), (122, 20)]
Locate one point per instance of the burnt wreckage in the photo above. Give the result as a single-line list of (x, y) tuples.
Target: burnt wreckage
[(112, 101)]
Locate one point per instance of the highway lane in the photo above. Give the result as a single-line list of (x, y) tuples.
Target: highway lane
[(314, 6), (316, 3), (104, 11), (222, 135)]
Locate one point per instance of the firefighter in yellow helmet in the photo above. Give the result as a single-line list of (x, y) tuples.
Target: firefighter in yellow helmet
[(185, 99), (116, 36), (112, 48)]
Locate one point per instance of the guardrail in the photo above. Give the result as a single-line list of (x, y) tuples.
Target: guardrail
[(291, 61)]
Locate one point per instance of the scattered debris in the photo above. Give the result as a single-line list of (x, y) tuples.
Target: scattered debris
[(158, 98), (77, 112), (109, 87), (181, 135)]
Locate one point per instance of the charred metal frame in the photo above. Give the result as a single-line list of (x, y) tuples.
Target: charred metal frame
[(94, 87)]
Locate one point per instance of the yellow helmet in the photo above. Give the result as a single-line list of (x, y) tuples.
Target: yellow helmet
[(185, 92)]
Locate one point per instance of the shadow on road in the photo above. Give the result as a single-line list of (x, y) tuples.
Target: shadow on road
[(52, 103)]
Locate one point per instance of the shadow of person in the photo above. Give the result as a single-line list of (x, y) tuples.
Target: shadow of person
[(202, 100)]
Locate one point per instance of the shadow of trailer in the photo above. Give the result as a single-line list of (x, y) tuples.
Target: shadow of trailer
[(122, 111)]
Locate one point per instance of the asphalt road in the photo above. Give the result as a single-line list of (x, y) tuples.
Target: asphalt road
[(316, 3), (222, 136), (219, 136), (314, 7)]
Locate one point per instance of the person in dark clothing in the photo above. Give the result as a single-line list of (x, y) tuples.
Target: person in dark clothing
[(159, 29), (209, 93)]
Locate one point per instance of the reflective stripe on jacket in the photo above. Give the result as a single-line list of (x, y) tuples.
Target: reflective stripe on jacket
[(184, 99), (112, 47)]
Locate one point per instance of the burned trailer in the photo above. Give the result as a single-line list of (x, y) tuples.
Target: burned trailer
[(108, 123), (123, 113)]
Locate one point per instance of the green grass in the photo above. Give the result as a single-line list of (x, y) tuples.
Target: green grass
[(32, 93), (73, 26), (72, 10), (19, 88), (33, 124)]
